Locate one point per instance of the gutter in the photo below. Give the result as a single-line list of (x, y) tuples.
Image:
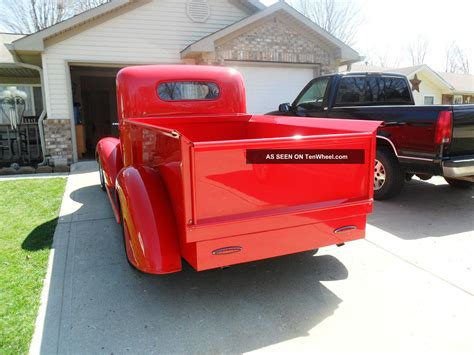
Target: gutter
[(44, 112), (349, 62)]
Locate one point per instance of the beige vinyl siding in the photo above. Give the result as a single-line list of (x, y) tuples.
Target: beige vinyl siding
[(155, 32), (427, 88)]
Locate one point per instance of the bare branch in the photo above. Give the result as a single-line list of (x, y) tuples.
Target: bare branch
[(28, 16), (456, 59), (418, 50), (340, 18), (387, 57)]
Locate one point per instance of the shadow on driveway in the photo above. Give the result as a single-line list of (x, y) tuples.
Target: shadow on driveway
[(98, 304), (425, 209)]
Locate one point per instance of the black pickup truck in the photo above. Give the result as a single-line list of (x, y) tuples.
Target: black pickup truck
[(422, 140)]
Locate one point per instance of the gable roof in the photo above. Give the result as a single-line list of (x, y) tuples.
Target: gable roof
[(434, 75), (206, 44), (35, 41), (462, 82), (250, 4)]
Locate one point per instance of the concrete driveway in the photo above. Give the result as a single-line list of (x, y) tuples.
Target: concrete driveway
[(407, 288)]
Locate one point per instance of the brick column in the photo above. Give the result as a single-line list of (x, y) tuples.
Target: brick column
[(57, 137)]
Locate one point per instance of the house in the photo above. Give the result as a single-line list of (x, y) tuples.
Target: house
[(434, 88), (276, 48), (463, 92)]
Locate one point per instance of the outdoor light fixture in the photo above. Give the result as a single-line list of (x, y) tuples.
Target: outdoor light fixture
[(13, 104)]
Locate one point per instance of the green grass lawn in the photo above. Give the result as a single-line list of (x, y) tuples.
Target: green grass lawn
[(29, 211)]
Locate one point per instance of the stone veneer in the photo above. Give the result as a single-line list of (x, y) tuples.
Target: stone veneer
[(57, 137), (276, 40)]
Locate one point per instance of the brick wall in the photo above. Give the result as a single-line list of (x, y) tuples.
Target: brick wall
[(57, 136), (275, 40)]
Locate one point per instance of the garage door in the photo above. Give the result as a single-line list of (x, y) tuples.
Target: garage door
[(267, 87)]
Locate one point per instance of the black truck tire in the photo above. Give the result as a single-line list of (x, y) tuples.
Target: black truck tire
[(101, 176), (460, 184), (388, 176)]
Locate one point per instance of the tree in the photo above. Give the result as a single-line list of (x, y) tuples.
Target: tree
[(417, 50), (340, 18), (386, 58), (28, 16), (456, 59)]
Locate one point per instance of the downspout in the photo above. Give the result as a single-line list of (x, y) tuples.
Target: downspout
[(43, 113)]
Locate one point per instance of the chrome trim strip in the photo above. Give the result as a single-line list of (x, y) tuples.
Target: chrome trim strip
[(402, 156), (389, 141), (344, 229), (414, 158), (462, 160)]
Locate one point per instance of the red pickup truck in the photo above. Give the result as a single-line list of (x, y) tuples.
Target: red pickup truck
[(194, 176)]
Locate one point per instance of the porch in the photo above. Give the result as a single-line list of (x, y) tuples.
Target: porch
[(20, 144), (21, 105)]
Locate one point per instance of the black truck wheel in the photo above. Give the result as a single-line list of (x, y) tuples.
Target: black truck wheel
[(388, 176), (101, 176), (460, 184)]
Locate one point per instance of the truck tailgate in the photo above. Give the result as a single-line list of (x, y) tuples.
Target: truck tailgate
[(463, 131), (250, 198)]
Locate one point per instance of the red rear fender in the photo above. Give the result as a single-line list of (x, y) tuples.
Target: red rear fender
[(108, 153), (148, 221)]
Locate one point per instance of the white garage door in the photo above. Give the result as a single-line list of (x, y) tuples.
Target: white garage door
[(267, 87)]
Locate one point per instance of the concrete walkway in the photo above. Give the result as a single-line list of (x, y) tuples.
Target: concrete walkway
[(407, 289)]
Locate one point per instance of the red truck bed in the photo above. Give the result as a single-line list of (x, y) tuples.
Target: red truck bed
[(185, 183), (262, 210)]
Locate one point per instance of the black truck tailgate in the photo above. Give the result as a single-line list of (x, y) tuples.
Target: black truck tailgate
[(462, 142)]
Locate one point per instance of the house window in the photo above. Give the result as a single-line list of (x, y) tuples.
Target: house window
[(429, 100), (30, 94), (457, 99)]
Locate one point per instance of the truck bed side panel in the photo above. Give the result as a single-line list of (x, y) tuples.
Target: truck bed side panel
[(410, 128)]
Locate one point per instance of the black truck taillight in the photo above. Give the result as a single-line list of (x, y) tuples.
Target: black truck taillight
[(444, 127)]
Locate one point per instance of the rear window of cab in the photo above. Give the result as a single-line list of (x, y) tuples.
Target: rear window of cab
[(382, 90), (188, 90)]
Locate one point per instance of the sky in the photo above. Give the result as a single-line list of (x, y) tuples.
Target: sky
[(390, 25)]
